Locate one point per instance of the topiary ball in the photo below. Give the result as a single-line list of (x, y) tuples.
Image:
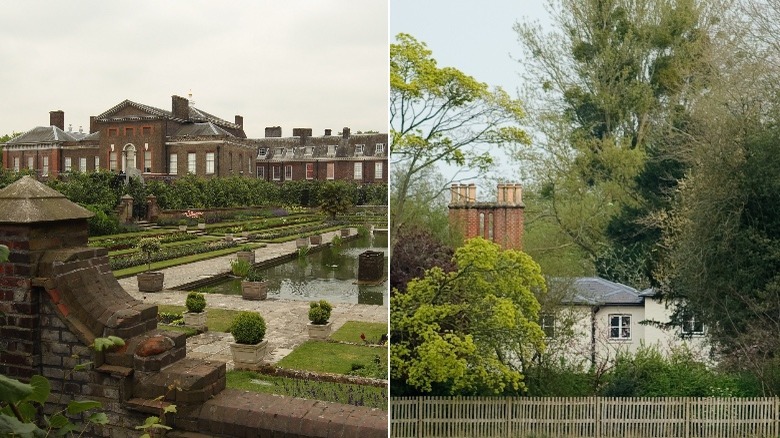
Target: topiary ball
[(195, 302), (248, 328)]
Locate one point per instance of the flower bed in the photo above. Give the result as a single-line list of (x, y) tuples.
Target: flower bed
[(120, 243), (265, 224), (135, 259)]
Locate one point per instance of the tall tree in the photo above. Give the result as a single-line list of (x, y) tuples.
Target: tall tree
[(469, 331), (610, 89), (437, 114)]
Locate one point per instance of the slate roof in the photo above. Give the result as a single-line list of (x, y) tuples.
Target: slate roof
[(202, 129), (42, 134), (594, 291)]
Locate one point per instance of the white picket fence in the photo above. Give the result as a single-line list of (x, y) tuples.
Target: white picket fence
[(592, 417)]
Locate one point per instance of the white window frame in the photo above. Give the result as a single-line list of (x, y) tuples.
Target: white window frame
[(112, 160), (620, 331), (378, 170), (173, 164), (83, 164), (276, 173), (308, 151), (147, 158), (45, 167), (332, 150), (309, 170), (359, 149), (209, 163), (380, 148), (261, 172), (67, 166), (547, 323), (97, 163), (357, 170), (16, 164), (30, 162), (279, 152), (262, 152), (331, 170), (192, 162), (689, 327), (288, 173)]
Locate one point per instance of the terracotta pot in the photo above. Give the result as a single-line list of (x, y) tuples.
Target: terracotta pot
[(319, 331), (345, 232), (248, 357), (254, 290), (315, 239), (150, 281), (249, 256)]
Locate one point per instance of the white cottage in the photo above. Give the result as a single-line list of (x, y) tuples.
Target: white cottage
[(595, 319)]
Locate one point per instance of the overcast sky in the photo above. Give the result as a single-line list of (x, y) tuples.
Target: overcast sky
[(476, 37), (318, 64)]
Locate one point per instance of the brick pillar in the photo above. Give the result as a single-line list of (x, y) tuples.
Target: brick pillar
[(473, 218)]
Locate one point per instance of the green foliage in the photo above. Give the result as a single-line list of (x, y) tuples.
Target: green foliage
[(195, 302), (4, 253), (254, 274), (102, 223), (248, 328), (240, 267), (319, 312), (436, 115), (336, 198), (148, 247), (463, 332)]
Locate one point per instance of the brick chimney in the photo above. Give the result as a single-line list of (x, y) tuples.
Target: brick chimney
[(500, 221), (328, 131), (301, 132), (345, 133), (239, 121), (273, 131), (92, 124), (57, 118), (180, 107)]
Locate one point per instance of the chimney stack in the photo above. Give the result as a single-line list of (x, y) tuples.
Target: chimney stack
[(180, 107), (273, 131), (328, 131), (345, 133), (57, 118), (239, 121)]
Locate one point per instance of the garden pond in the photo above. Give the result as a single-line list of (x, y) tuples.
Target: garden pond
[(330, 274)]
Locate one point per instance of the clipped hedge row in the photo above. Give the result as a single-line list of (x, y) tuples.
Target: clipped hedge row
[(120, 243), (167, 253)]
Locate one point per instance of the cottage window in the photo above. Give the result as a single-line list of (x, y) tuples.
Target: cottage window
[(378, 170), (358, 170), (191, 163), (173, 164), (620, 326), (288, 173), (309, 170), (83, 164), (691, 326), (67, 164), (276, 173), (209, 163), (547, 323), (331, 170)]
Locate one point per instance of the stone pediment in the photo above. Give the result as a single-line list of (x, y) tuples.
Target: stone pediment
[(130, 109)]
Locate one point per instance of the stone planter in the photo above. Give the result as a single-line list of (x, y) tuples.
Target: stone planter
[(248, 357), (229, 237), (319, 331), (150, 281), (201, 225), (302, 242), (254, 290), (182, 228), (249, 256), (315, 239), (345, 232), (195, 319)]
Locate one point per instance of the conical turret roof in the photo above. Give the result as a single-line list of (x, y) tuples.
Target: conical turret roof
[(29, 201)]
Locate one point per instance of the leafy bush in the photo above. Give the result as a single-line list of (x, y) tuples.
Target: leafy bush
[(149, 247), (319, 312), (254, 274), (195, 302), (167, 253), (248, 328), (101, 223)]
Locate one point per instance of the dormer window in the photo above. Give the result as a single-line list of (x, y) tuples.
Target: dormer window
[(332, 150), (308, 151), (359, 149), (262, 152), (279, 152), (380, 148)]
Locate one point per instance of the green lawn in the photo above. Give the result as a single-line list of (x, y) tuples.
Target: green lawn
[(217, 320), (351, 331), (360, 395), (332, 357)]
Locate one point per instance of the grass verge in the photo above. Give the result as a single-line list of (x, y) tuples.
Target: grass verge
[(332, 357), (351, 331), (358, 395), (217, 320)]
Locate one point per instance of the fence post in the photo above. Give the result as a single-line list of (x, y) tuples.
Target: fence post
[(508, 417), (687, 417), (597, 415), (419, 417), (776, 424)]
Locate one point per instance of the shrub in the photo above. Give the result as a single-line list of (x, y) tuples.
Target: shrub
[(101, 223), (195, 302), (254, 275), (248, 328), (149, 246), (319, 312), (240, 268)]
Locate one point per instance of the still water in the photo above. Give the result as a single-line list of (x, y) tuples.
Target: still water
[(330, 274)]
